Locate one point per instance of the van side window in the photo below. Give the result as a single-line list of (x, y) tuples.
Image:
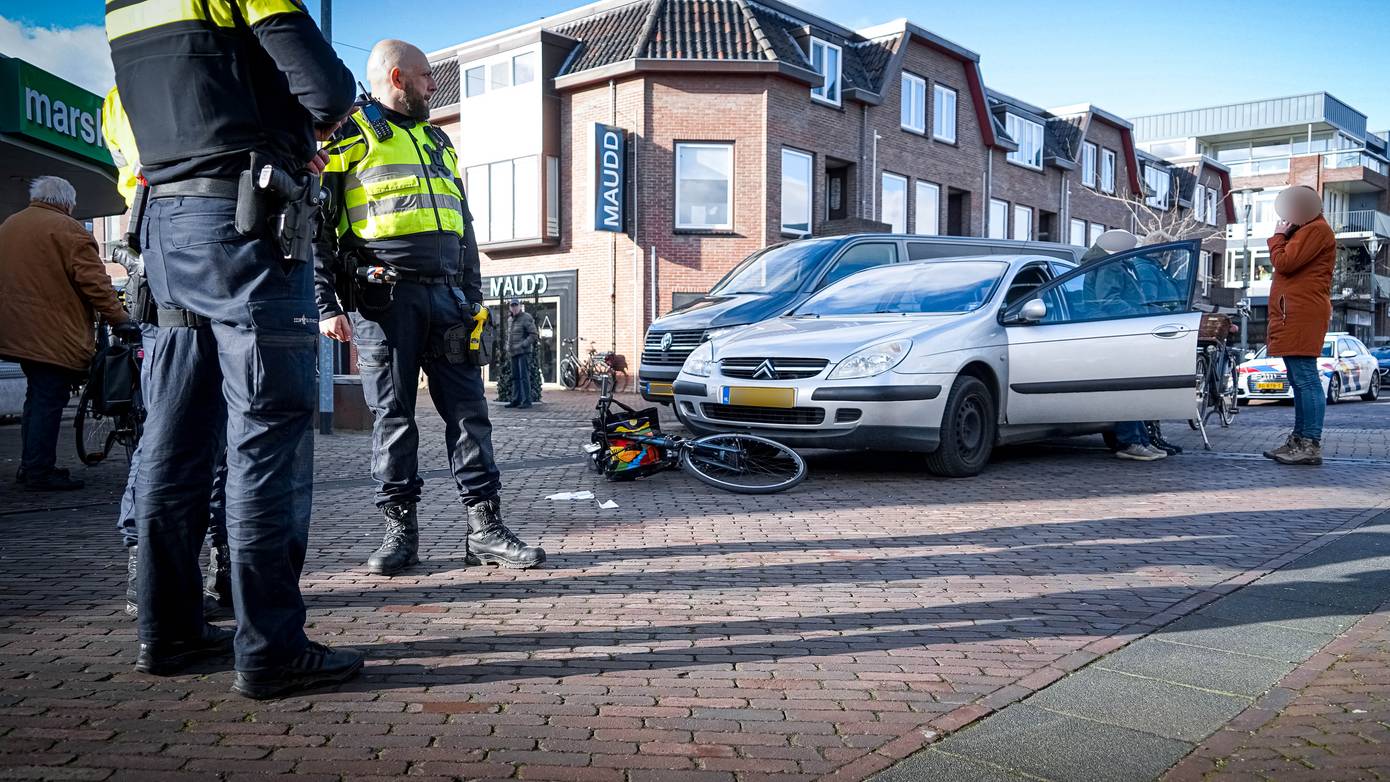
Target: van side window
[(862, 256), (926, 251)]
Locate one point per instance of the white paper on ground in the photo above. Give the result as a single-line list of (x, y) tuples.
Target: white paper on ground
[(609, 505), (572, 495)]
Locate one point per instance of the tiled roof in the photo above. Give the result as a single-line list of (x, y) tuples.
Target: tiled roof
[(608, 38), (875, 56), (703, 30), (446, 78), (1062, 138)]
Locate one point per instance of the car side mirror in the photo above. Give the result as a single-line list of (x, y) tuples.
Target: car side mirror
[(1349, 354), (1249, 355), (1033, 311)]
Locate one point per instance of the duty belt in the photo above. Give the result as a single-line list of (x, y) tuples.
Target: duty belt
[(456, 280), (201, 187)]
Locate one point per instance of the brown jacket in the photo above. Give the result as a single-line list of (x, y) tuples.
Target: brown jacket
[(1300, 300), (52, 281)]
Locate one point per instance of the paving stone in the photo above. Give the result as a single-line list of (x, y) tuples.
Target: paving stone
[(1259, 640), (1196, 666), (933, 765), (1061, 747), (1256, 603), (1134, 702)]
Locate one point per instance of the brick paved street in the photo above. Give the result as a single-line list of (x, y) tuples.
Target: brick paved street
[(687, 635)]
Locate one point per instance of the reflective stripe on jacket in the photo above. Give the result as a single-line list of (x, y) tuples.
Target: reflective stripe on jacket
[(115, 127), (407, 184)]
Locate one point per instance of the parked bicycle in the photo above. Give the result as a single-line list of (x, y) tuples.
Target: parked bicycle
[(575, 373), (110, 411), (1217, 376), (628, 444)]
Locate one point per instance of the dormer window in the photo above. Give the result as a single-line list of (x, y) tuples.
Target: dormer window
[(1029, 136), (826, 60)]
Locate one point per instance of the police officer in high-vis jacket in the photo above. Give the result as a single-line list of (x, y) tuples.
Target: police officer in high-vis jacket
[(227, 100), (404, 234)]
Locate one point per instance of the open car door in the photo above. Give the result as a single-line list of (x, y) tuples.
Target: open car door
[(1115, 340)]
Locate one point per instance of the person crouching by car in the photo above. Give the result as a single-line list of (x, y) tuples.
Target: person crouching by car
[(1303, 251), (521, 343)]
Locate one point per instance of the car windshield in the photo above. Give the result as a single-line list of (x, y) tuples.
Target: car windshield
[(910, 289), (782, 268), (1327, 349)]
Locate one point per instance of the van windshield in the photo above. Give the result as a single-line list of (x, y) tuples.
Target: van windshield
[(785, 267)]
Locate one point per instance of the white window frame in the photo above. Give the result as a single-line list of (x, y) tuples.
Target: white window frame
[(1096, 229), (927, 192), (1162, 184), (810, 161), (897, 228), (998, 229), (530, 59), (729, 197), (1029, 135), (1213, 204), (1199, 204), (912, 115), (940, 95), (1107, 170), (1076, 233), (1088, 164), (822, 92), (1023, 218), (484, 83), (1204, 269)]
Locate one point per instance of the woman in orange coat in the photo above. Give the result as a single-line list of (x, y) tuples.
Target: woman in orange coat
[(1303, 250)]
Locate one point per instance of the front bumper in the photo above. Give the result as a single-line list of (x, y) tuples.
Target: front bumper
[(654, 382), (888, 412)]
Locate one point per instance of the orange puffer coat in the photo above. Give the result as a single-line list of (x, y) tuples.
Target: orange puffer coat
[(1300, 300)]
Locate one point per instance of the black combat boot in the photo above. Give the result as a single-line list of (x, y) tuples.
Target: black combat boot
[(132, 566), (217, 583), (400, 549), (491, 543)]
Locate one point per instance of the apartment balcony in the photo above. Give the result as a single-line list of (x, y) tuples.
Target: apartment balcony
[(1360, 286), (1350, 227)]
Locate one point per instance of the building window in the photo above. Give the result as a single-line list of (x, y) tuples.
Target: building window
[(704, 187), (552, 196), (475, 80), (1160, 184), (796, 192), (1078, 233), (1107, 170), (501, 75), (894, 208), (1205, 271), (944, 113), (1199, 204), (1096, 231), (928, 211), (1088, 164), (914, 103), (524, 68), (998, 219), (825, 60), (505, 200), (1023, 223), (1029, 135), (1213, 202)]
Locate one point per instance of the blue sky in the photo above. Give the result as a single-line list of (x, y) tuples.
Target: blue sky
[(1129, 57)]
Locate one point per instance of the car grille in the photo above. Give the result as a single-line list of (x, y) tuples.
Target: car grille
[(682, 344), (796, 416), (780, 368)]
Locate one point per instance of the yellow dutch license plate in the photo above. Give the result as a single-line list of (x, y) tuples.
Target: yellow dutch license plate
[(760, 397), (660, 389), (1269, 386)]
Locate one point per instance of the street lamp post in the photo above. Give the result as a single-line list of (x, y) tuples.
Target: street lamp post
[(1373, 244)]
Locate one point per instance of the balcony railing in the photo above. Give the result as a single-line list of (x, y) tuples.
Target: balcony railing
[(1353, 160), (1360, 221), (1357, 285)]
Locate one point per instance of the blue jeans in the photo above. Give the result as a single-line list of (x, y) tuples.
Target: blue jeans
[(395, 339), (47, 393), (249, 373), (1132, 433), (521, 379), (1309, 401)]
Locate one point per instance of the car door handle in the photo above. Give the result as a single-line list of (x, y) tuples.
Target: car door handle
[(1167, 332)]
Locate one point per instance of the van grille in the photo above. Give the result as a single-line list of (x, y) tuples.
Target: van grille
[(682, 344)]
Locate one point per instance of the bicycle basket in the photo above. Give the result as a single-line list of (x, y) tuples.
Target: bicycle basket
[(619, 457), (113, 380)]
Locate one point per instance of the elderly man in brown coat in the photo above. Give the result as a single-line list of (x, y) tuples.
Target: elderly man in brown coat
[(1303, 251), (52, 284)]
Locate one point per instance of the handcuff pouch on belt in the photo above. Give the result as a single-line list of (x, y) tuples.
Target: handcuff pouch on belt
[(472, 342)]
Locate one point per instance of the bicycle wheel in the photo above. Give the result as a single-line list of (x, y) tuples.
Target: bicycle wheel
[(1201, 400), (95, 433), (569, 375), (1229, 403), (743, 463)]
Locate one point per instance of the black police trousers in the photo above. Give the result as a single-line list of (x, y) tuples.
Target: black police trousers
[(398, 331)]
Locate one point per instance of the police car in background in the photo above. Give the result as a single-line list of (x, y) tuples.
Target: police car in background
[(1345, 364)]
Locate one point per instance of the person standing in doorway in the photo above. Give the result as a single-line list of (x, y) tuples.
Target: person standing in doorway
[(1303, 251), (522, 338)]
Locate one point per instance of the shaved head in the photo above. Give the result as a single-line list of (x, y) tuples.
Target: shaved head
[(400, 76)]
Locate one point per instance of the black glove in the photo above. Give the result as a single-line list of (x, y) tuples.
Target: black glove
[(128, 331)]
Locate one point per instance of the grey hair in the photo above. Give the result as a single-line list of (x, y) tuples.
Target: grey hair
[(53, 190)]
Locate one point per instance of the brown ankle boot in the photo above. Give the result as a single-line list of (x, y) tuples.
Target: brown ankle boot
[(1305, 452)]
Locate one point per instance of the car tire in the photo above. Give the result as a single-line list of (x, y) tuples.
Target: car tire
[(968, 428), (1334, 389), (1373, 393)]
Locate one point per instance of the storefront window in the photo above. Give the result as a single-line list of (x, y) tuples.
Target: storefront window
[(704, 187)]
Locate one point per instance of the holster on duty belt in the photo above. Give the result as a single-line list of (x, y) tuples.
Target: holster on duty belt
[(471, 343)]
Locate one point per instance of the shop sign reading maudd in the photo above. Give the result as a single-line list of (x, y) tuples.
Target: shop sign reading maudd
[(517, 285), (45, 108), (610, 178)]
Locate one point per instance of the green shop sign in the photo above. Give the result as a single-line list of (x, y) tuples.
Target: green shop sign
[(42, 107)]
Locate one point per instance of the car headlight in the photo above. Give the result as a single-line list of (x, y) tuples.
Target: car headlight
[(873, 360), (700, 362)]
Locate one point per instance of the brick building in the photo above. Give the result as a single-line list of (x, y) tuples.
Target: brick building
[(744, 123)]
